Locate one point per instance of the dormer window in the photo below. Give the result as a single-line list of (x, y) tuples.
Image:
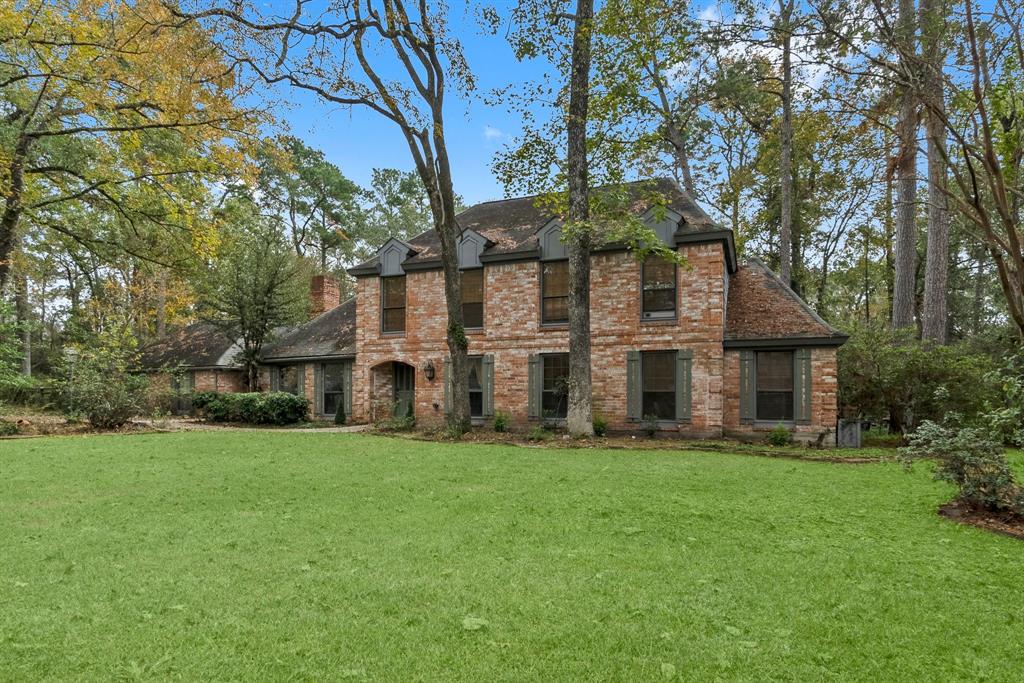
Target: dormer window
[(471, 245), (659, 287), (554, 275)]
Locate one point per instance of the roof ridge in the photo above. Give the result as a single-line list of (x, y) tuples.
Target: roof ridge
[(596, 187)]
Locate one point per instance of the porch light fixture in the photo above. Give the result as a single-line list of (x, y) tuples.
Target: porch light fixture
[(428, 371)]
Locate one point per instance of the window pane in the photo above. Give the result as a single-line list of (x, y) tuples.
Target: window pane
[(659, 286), (476, 404), (332, 377), (394, 292), (475, 373), (659, 384), (288, 379), (556, 278), (774, 385), (472, 315), (331, 403), (555, 291), (554, 399), (473, 286), (394, 320)]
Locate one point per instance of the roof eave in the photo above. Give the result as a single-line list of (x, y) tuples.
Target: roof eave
[(784, 342)]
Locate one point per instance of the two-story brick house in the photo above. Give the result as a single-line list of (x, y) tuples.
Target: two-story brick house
[(713, 347)]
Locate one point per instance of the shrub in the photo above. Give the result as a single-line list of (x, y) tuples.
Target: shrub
[(339, 414), (539, 433), (500, 421), (8, 428), (401, 423), (892, 377), (970, 459), (100, 385), (650, 425), (1004, 414), (780, 436), (277, 407), (600, 425)]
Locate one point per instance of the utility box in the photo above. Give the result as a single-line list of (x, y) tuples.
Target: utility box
[(848, 434)]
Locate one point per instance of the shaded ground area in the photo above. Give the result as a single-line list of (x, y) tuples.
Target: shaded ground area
[(244, 555)]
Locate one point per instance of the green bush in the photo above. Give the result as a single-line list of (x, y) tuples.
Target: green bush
[(894, 378), (276, 407), (339, 414), (780, 436), (8, 428), (1004, 414), (970, 459), (650, 425), (500, 421), (539, 433), (600, 425)]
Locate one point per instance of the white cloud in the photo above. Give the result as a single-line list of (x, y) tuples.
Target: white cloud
[(492, 133), (711, 13)]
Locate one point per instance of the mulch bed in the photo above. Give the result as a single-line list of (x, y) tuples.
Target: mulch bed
[(1007, 524)]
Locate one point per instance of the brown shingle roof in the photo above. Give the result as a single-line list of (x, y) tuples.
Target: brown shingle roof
[(761, 307), (332, 333), (510, 225), (200, 345)]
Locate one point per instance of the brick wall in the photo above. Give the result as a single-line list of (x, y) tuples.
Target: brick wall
[(222, 381), (512, 332)]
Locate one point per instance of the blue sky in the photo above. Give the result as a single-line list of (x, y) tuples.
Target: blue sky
[(358, 140)]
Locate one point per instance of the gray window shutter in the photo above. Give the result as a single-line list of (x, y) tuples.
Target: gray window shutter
[(318, 384), (275, 378), (346, 387), (684, 385), (535, 385), (802, 386), (190, 381), (300, 370), (448, 386), (634, 403), (747, 395), (488, 367)]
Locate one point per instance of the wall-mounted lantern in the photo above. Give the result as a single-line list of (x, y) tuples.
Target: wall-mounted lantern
[(428, 371)]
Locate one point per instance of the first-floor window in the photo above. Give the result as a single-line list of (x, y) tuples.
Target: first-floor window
[(658, 370), (555, 393), (476, 386), (774, 381), (473, 298), (288, 379), (554, 291), (333, 387)]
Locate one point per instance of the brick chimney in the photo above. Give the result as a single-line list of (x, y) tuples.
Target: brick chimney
[(324, 294)]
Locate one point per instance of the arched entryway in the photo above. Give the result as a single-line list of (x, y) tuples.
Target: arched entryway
[(393, 386)]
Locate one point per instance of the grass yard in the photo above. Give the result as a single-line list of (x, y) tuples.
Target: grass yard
[(256, 556)]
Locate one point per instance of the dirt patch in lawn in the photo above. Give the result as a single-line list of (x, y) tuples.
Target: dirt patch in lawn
[(1007, 524), (56, 425)]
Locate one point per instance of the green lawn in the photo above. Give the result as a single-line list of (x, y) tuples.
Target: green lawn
[(256, 556)]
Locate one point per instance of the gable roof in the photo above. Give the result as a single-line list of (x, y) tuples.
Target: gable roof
[(511, 225), (200, 345), (331, 334), (761, 308)]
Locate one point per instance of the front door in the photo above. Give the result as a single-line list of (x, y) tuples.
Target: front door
[(405, 389)]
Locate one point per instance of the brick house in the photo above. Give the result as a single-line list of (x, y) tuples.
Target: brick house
[(714, 347), (198, 357)]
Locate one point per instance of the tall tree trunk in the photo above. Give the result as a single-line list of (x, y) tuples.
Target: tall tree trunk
[(579, 419), (905, 278), (786, 155), (12, 207), (887, 224), (24, 313), (161, 304), (935, 317)]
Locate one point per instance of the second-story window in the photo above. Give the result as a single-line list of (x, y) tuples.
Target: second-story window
[(659, 287), (473, 298), (554, 288), (393, 304)]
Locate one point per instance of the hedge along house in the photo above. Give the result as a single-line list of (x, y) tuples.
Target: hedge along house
[(315, 359), (199, 357), (710, 348)]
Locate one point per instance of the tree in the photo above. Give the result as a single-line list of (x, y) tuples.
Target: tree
[(254, 285), (785, 21), (394, 59), (312, 197), (109, 105)]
